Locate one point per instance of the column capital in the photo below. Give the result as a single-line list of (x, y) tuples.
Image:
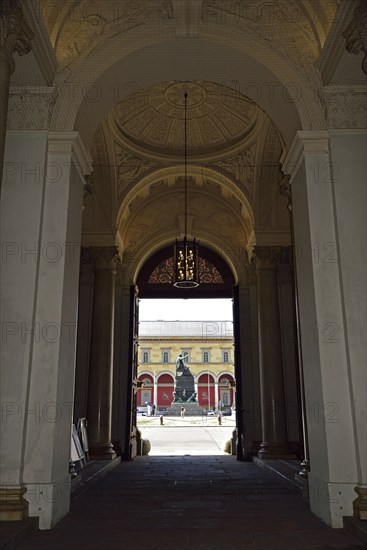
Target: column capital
[(15, 34), (105, 257), (265, 257), (305, 142), (70, 143)]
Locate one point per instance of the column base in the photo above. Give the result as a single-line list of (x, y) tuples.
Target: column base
[(305, 468), (360, 503), (274, 450), (13, 507), (255, 447), (103, 451)]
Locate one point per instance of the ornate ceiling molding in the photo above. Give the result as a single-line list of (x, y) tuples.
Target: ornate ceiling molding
[(83, 25), (129, 169), (165, 180), (296, 29), (151, 121)]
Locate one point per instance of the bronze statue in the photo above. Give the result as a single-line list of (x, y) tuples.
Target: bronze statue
[(181, 367)]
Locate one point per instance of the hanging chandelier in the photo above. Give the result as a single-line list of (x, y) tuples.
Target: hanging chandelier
[(186, 257)]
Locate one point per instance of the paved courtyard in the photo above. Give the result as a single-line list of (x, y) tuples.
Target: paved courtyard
[(189, 435)]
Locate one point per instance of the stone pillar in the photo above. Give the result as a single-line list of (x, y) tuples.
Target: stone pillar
[(274, 433), (41, 220), (101, 354), (248, 407), (327, 171), (85, 310), (121, 369), (289, 347), (216, 393), (285, 191), (155, 388), (15, 36)]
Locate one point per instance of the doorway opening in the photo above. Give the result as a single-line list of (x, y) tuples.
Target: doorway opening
[(201, 331)]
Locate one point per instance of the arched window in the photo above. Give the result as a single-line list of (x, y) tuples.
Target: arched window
[(145, 357), (225, 357), (205, 357), (165, 357)]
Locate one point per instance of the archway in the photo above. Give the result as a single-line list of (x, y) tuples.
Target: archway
[(210, 347)]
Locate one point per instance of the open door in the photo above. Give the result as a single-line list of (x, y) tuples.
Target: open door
[(238, 375), (132, 440)]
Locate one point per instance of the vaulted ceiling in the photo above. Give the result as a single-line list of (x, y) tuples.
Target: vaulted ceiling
[(255, 73)]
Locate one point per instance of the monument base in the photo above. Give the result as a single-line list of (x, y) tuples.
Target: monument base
[(192, 409)]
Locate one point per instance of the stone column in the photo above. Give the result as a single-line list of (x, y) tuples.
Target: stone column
[(274, 434), (248, 415), (155, 389), (85, 310), (101, 354), (41, 217), (216, 393), (328, 171), (122, 376), (15, 36), (285, 191)]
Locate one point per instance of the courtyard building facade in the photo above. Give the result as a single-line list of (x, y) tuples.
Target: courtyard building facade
[(209, 353)]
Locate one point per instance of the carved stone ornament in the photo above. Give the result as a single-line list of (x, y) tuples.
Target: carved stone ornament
[(88, 23), (30, 107), (346, 106), (130, 168), (265, 257), (105, 257), (15, 34), (284, 24), (285, 189), (242, 167), (356, 33)]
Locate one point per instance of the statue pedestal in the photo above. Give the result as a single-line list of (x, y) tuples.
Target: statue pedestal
[(185, 396), (192, 409)]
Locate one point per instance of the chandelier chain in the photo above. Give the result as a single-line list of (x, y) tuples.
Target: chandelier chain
[(185, 141)]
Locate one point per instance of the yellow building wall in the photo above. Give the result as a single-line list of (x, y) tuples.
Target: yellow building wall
[(196, 349)]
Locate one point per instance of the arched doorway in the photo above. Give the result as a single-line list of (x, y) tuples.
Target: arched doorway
[(155, 280)]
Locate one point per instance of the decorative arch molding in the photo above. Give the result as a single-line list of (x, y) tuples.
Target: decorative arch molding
[(224, 374), (234, 254), (280, 64), (150, 218), (146, 375), (156, 276), (201, 176)]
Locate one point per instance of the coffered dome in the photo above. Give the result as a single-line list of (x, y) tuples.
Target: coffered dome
[(217, 118)]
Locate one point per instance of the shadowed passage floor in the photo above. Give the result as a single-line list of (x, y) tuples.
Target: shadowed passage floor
[(190, 503)]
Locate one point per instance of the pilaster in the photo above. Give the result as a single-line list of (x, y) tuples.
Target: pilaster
[(274, 432), (325, 168), (105, 260)]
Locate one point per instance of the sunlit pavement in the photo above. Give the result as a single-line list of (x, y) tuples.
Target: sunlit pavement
[(186, 436)]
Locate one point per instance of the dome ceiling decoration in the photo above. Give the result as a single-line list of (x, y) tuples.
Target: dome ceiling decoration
[(217, 118)]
